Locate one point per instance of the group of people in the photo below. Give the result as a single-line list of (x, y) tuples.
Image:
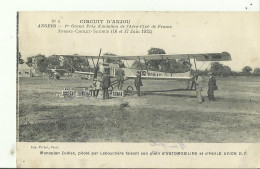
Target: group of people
[(102, 84), (105, 82), (197, 82), (120, 75)]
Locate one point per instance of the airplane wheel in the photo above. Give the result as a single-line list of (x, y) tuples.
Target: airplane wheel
[(129, 90), (52, 77), (57, 77)]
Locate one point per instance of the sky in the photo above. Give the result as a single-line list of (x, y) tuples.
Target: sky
[(191, 32)]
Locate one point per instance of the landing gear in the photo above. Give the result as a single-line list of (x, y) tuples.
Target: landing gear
[(57, 77), (54, 76), (129, 90)]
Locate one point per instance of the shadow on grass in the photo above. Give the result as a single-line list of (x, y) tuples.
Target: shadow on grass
[(163, 93), (171, 90)]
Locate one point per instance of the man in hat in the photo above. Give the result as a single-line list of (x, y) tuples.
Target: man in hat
[(138, 82), (97, 85), (193, 81), (198, 82), (120, 74), (96, 69), (212, 86), (105, 85)]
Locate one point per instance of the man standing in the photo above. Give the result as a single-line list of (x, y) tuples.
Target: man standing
[(105, 85), (212, 86), (120, 74), (193, 82), (96, 69), (97, 87), (198, 82), (93, 91), (138, 82)]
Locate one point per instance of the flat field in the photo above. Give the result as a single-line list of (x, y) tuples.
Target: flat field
[(164, 113)]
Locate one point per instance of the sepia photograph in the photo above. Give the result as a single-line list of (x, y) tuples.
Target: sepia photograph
[(130, 84), (138, 77)]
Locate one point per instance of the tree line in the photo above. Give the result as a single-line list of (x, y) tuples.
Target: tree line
[(43, 64), (219, 69)]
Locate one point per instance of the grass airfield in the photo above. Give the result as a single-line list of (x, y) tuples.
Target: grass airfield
[(164, 113)]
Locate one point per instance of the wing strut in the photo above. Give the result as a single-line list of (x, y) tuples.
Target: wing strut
[(140, 67), (145, 65), (99, 56), (140, 64), (93, 62), (86, 59), (71, 66), (208, 65), (201, 65), (168, 66), (195, 64)]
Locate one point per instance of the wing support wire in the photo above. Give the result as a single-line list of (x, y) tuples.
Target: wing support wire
[(195, 64), (70, 63), (140, 67), (140, 63), (99, 56), (93, 62), (145, 65), (168, 67), (208, 65), (86, 59), (202, 64)]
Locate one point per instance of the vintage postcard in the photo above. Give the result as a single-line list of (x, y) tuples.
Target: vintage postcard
[(138, 89)]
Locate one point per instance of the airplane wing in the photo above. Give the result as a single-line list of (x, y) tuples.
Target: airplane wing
[(224, 56), (60, 70), (162, 78), (84, 73)]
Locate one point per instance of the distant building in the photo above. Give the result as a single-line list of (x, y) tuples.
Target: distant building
[(25, 71)]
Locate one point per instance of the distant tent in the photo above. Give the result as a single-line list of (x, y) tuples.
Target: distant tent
[(25, 71)]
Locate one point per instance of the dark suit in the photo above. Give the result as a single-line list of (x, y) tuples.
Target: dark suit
[(120, 77), (105, 86), (95, 73), (193, 83), (138, 83), (211, 84)]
